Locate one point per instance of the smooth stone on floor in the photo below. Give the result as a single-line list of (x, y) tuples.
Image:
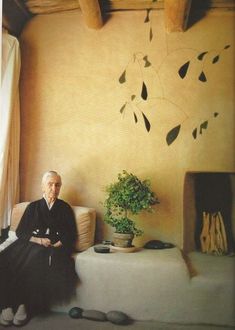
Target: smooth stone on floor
[(75, 312), (94, 315), (117, 317)]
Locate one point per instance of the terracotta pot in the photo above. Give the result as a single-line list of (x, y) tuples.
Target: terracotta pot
[(122, 240)]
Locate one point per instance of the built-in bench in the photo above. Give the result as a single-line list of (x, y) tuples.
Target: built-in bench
[(157, 285)]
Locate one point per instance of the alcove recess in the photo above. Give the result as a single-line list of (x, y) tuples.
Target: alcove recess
[(208, 192)]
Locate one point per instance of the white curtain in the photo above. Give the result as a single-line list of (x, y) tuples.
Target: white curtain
[(9, 127)]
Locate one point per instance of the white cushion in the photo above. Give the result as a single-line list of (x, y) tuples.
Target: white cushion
[(11, 238)]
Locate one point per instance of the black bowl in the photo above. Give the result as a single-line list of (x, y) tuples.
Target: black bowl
[(101, 248)]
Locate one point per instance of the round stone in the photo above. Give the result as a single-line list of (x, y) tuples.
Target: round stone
[(94, 315), (75, 312), (117, 317)]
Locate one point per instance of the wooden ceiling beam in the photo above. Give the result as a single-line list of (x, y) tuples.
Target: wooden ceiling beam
[(91, 12), (176, 15), (17, 12), (159, 4), (52, 6)]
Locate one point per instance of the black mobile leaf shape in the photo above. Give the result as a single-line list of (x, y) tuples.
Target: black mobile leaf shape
[(202, 77), (144, 93), (150, 34), (133, 97), (122, 78), (172, 134), (183, 69), (216, 114), (147, 63), (122, 108), (200, 56), (227, 46), (147, 16), (203, 126), (194, 133), (215, 59), (135, 117), (146, 122)]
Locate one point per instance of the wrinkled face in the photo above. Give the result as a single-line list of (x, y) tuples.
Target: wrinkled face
[(51, 187)]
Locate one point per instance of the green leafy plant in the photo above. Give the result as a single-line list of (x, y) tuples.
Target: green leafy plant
[(128, 195)]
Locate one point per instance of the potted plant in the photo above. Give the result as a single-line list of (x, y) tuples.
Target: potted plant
[(127, 196)]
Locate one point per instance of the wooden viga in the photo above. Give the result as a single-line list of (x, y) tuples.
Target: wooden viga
[(213, 236)]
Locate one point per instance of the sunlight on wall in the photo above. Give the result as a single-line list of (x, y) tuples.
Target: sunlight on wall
[(73, 118)]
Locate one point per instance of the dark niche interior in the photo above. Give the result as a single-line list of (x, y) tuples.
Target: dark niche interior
[(211, 193)]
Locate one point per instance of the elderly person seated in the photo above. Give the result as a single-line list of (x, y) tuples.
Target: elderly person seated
[(37, 270)]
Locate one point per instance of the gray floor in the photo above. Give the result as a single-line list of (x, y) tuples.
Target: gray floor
[(57, 321)]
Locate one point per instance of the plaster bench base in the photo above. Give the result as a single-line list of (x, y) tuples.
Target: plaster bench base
[(154, 285)]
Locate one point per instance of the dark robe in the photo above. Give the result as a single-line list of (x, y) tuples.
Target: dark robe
[(35, 275)]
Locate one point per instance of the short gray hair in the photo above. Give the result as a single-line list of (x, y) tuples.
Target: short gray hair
[(48, 174)]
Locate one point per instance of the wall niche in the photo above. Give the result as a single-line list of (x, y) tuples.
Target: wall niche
[(209, 192)]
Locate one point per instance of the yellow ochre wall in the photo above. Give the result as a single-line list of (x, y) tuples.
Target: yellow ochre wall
[(71, 99)]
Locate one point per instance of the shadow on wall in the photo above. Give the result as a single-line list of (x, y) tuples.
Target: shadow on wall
[(100, 232), (198, 11), (105, 8)]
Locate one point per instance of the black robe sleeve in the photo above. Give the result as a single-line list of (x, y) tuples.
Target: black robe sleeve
[(25, 227)]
